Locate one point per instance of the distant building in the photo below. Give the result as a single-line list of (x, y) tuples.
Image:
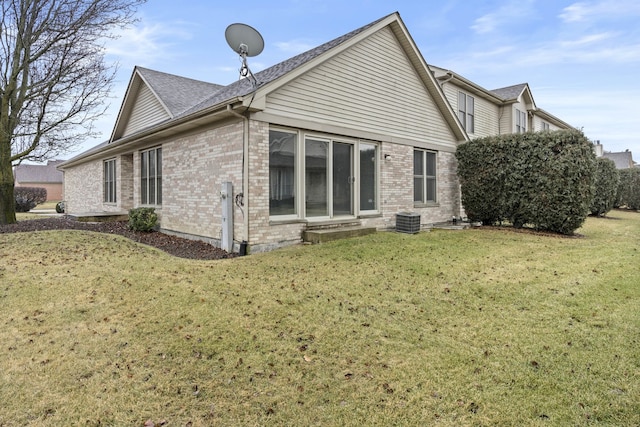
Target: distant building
[(45, 176), (623, 160)]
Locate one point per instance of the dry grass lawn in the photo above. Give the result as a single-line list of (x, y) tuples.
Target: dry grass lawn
[(447, 328)]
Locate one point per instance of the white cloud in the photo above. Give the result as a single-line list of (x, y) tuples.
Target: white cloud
[(587, 11), (507, 14), (147, 44)]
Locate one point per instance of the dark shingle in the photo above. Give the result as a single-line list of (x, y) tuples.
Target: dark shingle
[(509, 92)]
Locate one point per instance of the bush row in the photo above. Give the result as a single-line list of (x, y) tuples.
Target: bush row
[(28, 198), (629, 189), (542, 179), (606, 182)]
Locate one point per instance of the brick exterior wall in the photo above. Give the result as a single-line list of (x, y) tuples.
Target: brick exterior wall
[(193, 170), (195, 166)]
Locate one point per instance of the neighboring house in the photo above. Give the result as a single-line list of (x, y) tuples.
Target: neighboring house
[(44, 176), (485, 112), (623, 160), (350, 133)]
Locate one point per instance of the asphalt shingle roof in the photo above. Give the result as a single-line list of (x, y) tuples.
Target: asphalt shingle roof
[(509, 92), (177, 93), (39, 173)]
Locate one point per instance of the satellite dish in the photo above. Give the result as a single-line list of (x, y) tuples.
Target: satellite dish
[(244, 40)]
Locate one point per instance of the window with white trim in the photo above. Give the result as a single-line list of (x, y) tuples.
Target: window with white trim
[(545, 126), (521, 121), (466, 113), (424, 176), (151, 177), (109, 181)]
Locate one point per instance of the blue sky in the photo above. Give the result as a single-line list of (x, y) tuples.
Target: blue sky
[(580, 58)]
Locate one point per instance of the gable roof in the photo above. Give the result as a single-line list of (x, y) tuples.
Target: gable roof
[(623, 160), (39, 173), (175, 94), (215, 100), (510, 93)]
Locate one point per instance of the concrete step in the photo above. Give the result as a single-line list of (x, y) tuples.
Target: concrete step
[(330, 234)]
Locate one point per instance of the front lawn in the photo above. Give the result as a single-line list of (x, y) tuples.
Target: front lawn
[(447, 328)]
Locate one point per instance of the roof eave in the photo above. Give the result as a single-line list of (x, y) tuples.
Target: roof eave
[(169, 127)]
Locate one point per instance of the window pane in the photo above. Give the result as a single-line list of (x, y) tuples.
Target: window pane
[(342, 179), (282, 184), (431, 189), (418, 189), (418, 162), (368, 168), (152, 191), (315, 164), (431, 164), (470, 114)]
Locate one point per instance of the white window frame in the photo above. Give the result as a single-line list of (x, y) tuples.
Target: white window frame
[(300, 174), (521, 121), (466, 112), (426, 178), (146, 175), (109, 181)]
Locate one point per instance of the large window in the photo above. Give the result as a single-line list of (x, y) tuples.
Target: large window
[(110, 181), (368, 177), (317, 176), (282, 172), (466, 113), (151, 177), (424, 176), (521, 121)]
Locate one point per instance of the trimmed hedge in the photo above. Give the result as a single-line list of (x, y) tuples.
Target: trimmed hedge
[(629, 189), (542, 179), (28, 198), (606, 183)]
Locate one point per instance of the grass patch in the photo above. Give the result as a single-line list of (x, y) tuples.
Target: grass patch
[(482, 327)]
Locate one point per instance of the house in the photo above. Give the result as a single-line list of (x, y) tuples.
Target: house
[(348, 134), (485, 112), (44, 176), (623, 159)]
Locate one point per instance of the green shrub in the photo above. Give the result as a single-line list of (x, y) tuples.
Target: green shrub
[(542, 179), (28, 198), (606, 183), (629, 189), (142, 219)]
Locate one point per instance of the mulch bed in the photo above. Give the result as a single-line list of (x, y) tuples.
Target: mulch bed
[(176, 246)]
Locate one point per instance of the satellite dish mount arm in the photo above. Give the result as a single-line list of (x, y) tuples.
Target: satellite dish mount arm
[(244, 69)]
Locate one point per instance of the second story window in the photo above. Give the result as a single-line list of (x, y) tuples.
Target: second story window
[(466, 112), (521, 121)]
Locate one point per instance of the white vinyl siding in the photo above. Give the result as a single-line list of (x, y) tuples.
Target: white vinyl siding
[(371, 87), (147, 111), (486, 113)]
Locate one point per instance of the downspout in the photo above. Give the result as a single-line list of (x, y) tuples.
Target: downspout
[(245, 169)]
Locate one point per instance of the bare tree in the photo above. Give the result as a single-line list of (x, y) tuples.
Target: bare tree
[(53, 78)]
